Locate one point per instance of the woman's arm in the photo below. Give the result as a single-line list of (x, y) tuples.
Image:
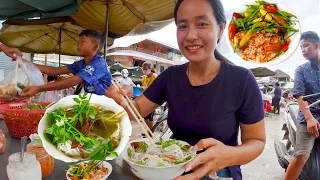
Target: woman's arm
[(253, 140), (10, 51)]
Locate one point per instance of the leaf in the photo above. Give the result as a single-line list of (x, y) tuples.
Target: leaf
[(76, 100), (96, 151), (115, 154), (83, 139), (104, 129), (142, 147), (129, 152), (48, 131), (160, 142), (110, 146), (141, 163)]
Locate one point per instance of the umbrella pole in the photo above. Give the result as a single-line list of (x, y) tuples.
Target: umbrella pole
[(106, 29), (60, 47)]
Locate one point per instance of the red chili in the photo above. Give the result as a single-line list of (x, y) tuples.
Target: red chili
[(271, 8), (285, 47), (278, 28), (236, 15), (232, 31), (69, 175)]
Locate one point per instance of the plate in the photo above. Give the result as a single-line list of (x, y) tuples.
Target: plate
[(68, 101), (295, 40), (105, 164)]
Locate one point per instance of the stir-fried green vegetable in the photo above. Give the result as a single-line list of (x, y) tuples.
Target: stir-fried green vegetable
[(76, 122)]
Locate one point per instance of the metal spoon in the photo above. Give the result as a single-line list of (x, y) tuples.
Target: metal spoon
[(23, 145)]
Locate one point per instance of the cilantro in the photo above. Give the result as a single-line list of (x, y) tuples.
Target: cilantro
[(62, 127)]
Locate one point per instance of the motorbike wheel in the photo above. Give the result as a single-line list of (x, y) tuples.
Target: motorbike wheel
[(160, 128)]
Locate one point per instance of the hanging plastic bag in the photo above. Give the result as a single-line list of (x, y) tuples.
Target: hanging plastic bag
[(24, 74)]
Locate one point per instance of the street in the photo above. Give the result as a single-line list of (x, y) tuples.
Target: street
[(266, 166)]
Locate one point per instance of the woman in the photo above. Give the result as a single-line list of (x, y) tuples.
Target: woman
[(208, 99), (11, 52)]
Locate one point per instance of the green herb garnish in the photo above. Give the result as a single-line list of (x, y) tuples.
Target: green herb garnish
[(64, 125)]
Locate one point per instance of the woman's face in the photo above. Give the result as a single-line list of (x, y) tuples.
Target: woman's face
[(309, 49), (197, 30)]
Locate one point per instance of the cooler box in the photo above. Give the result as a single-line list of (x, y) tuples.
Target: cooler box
[(136, 91)]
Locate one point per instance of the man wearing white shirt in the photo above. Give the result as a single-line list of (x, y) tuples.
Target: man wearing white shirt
[(126, 80)]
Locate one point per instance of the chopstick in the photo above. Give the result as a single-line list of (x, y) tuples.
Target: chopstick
[(118, 115), (135, 113)]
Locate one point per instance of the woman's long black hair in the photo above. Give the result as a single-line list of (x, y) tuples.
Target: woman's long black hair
[(219, 14)]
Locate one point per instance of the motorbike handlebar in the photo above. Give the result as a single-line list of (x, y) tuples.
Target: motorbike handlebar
[(311, 97)]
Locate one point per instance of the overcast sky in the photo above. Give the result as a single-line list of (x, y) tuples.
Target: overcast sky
[(308, 12)]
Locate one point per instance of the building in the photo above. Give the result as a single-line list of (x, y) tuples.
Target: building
[(282, 77), (160, 55)]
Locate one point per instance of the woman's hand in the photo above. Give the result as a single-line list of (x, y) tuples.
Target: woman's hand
[(118, 95), (11, 52), (215, 157)]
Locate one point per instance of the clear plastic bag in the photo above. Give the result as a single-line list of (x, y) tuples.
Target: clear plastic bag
[(53, 96), (24, 74)]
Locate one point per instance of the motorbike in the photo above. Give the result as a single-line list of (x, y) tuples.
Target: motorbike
[(284, 152), (160, 128)]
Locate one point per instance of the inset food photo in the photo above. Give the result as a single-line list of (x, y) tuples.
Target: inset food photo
[(263, 33)]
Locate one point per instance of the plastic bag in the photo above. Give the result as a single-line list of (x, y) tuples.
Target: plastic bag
[(53, 96), (23, 74)]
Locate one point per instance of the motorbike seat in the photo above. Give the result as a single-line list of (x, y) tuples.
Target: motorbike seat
[(293, 109)]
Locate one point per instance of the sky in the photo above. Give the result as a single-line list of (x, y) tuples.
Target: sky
[(307, 11)]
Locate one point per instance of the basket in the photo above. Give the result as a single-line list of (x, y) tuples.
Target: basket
[(21, 122), (2, 101)]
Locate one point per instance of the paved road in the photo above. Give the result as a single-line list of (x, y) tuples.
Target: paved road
[(266, 166)]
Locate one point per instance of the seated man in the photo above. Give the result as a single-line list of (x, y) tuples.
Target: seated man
[(306, 82)]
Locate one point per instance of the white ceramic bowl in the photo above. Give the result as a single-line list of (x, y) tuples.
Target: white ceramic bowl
[(295, 39), (153, 173), (105, 102), (104, 164)]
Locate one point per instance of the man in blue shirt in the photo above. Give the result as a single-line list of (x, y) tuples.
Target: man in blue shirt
[(306, 81), (276, 98), (92, 71)]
